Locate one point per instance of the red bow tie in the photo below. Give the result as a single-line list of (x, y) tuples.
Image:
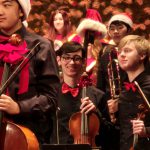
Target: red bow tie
[(129, 86), (74, 91)]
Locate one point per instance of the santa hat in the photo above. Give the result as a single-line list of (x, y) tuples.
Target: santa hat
[(124, 17), (26, 7), (93, 21)]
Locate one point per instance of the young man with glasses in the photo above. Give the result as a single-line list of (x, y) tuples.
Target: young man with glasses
[(72, 60)]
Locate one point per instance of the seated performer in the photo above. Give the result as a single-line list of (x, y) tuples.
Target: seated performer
[(133, 54), (30, 98), (72, 60)]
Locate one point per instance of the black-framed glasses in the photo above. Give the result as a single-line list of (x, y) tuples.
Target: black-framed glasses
[(75, 58)]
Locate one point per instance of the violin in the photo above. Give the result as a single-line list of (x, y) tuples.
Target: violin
[(14, 136), (143, 109), (84, 127)]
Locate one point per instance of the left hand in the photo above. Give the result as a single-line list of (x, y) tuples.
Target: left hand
[(138, 127), (87, 105), (8, 105), (112, 105)]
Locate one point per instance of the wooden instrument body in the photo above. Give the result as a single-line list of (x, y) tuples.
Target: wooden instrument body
[(76, 131), (15, 137)]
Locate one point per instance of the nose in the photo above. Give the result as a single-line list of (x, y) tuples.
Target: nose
[(1, 10), (58, 20), (71, 61), (116, 30), (121, 53)]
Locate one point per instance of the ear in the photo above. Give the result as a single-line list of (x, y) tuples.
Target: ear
[(58, 60), (20, 13), (142, 56), (108, 33)]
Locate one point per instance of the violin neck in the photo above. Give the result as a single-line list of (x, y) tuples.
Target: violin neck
[(83, 92), (84, 117), (84, 124)]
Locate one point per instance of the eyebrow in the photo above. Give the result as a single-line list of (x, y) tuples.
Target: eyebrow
[(8, 1), (71, 55), (66, 54), (117, 24)]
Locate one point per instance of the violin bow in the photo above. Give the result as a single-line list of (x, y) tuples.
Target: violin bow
[(143, 95)]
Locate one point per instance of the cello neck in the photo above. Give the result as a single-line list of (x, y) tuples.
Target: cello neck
[(5, 76)]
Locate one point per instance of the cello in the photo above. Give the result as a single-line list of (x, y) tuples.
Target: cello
[(14, 136)]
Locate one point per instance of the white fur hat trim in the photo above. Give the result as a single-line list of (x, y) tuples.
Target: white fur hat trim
[(121, 17), (89, 24), (26, 7)]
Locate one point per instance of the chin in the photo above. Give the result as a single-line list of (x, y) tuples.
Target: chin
[(125, 68), (72, 75)]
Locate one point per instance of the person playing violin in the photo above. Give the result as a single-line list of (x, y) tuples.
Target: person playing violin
[(30, 98), (133, 55), (72, 60)]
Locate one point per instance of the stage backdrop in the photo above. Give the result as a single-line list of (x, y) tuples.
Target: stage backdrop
[(139, 9)]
